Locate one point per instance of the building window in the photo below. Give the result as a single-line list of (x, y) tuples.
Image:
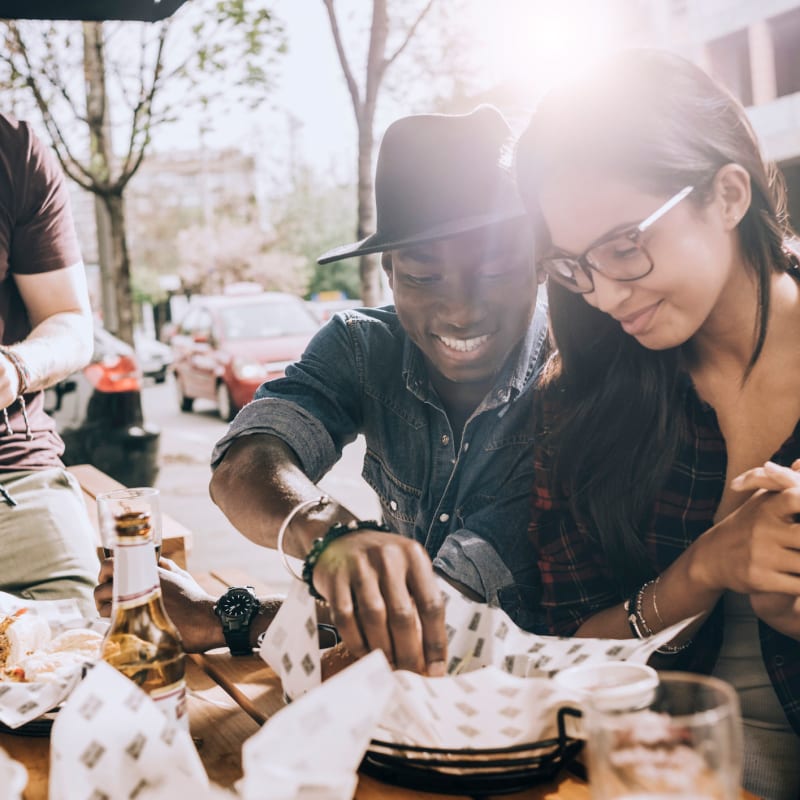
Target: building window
[(785, 30), (730, 64)]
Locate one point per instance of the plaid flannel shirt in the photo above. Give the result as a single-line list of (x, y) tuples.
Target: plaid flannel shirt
[(575, 578)]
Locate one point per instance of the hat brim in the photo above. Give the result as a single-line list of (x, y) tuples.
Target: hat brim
[(378, 243)]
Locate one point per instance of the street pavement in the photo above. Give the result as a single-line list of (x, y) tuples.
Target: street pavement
[(185, 450)]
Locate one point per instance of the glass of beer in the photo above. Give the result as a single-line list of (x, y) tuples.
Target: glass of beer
[(122, 505), (685, 741)]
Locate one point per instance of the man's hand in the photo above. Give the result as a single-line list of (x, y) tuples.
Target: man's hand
[(187, 604), (382, 593)]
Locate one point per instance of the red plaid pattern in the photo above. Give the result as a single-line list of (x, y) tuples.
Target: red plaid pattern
[(575, 579)]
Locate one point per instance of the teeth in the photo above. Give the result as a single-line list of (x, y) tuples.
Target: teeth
[(463, 345)]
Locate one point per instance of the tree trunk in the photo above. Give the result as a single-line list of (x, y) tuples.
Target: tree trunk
[(112, 244), (368, 266), (121, 266)]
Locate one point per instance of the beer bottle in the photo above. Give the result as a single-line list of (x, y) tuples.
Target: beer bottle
[(142, 641)]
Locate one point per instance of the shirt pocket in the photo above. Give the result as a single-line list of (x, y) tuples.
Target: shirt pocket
[(400, 501)]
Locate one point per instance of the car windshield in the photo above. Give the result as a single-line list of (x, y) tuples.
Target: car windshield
[(264, 320)]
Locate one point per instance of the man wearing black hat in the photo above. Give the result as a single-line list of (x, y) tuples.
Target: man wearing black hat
[(440, 385)]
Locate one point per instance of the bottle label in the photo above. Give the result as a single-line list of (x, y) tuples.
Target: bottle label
[(171, 701), (135, 574)]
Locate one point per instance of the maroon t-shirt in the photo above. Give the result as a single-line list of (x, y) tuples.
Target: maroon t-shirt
[(37, 234)]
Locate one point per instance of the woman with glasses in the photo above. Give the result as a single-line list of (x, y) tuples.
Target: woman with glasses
[(664, 486)]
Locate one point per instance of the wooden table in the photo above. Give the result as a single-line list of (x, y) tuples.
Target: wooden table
[(229, 699)]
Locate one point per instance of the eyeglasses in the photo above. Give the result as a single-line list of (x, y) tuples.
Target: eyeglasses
[(619, 256)]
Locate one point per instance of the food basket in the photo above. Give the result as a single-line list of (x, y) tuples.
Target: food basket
[(473, 772)]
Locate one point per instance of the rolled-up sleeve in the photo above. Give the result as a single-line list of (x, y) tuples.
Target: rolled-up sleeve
[(469, 559), (315, 409)]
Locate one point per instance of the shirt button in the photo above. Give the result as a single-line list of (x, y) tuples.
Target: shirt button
[(393, 505), (444, 517), (445, 439), (466, 446), (778, 661)]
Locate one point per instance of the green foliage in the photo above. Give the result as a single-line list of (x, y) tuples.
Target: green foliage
[(310, 219), (145, 287)]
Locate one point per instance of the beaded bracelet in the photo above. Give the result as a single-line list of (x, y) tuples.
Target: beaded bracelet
[(319, 545), (23, 381), (23, 374)]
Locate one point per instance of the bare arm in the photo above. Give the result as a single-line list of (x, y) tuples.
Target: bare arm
[(258, 483), (61, 339), (752, 551), (380, 587)]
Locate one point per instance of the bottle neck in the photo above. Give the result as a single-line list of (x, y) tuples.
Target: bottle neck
[(135, 571)]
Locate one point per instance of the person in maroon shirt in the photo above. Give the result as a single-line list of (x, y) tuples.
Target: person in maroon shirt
[(664, 484), (46, 334)]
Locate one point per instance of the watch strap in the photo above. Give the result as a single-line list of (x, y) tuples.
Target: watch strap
[(238, 640)]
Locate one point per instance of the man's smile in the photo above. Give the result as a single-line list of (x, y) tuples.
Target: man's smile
[(463, 345)]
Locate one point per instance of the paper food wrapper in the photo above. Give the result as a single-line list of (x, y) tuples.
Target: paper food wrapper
[(13, 777), (497, 693), (312, 748), (111, 741), (23, 702)]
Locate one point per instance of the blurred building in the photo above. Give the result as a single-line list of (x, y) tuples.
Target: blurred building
[(752, 46), (168, 192)]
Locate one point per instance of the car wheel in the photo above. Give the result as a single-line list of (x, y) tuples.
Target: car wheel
[(225, 407), (184, 402)]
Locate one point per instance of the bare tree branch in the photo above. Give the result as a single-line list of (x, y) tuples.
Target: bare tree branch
[(352, 86), (143, 107), (409, 36), (69, 162)]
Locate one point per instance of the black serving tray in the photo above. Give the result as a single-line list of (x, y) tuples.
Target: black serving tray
[(473, 772)]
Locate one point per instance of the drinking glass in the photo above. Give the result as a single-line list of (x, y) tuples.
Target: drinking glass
[(685, 741), (110, 505)]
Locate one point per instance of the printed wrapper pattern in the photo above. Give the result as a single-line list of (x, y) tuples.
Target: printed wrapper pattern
[(110, 741), (498, 690), (311, 749), (23, 702)]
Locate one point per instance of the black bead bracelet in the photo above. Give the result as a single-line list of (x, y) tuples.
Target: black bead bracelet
[(334, 532)]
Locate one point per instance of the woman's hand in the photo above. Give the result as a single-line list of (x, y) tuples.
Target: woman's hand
[(754, 549), (771, 477), (780, 610)]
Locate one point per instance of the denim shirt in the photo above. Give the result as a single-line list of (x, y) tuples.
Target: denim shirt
[(469, 507)]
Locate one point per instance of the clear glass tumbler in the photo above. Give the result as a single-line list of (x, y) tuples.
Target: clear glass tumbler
[(685, 742), (143, 500)]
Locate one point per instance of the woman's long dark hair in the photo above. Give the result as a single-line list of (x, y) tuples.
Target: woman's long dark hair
[(615, 408)]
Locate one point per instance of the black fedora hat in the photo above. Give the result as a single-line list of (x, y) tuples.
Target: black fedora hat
[(438, 175)]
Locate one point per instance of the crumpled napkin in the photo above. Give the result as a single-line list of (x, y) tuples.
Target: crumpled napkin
[(497, 692), (110, 741), (311, 749), (23, 702)]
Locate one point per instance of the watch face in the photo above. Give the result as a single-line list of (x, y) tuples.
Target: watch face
[(237, 603)]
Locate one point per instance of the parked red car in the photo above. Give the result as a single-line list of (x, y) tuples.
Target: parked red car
[(226, 346)]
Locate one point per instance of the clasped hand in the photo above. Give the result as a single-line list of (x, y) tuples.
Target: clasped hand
[(761, 541)]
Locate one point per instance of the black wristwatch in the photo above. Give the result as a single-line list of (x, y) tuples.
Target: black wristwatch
[(236, 610)]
